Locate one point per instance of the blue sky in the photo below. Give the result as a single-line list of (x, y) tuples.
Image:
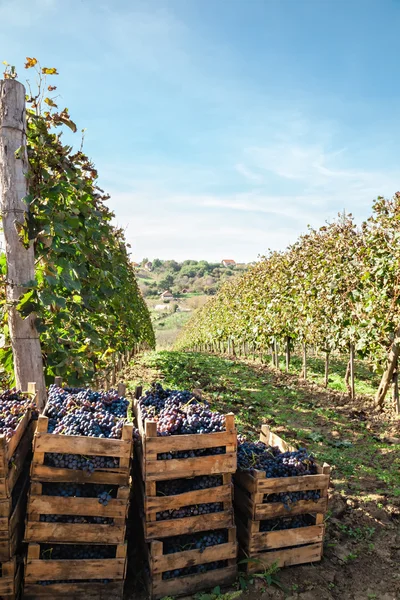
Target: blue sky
[(221, 128)]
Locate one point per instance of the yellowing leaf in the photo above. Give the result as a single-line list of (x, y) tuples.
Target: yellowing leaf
[(50, 102), (47, 71), (30, 62)]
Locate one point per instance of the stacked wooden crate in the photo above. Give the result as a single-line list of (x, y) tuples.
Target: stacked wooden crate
[(15, 457), (46, 574), (160, 529), (253, 507)]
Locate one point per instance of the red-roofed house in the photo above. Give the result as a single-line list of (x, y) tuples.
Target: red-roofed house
[(228, 262)]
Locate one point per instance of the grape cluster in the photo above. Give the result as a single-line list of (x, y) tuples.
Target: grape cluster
[(195, 541), (172, 487), (79, 490), (287, 523), (220, 564), (79, 462), (288, 498), (178, 412), (76, 551), (191, 453), (76, 411), (13, 406), (190, 511), (76, 519)]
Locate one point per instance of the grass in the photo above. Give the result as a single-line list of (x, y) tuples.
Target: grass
[(360, 459)]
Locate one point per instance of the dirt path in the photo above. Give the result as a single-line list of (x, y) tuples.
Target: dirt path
[(362, 547)]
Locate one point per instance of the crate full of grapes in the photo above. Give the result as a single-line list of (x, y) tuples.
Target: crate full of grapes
[(182, 437), (17, 410), (185, 564), (75, 571), (281, 496), (77, 513), (175, 506), (83, 437)]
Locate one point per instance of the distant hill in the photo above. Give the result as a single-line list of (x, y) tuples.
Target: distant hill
[(187, 277)]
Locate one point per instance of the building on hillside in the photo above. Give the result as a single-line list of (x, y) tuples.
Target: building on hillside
[(167, 295), (185, 291), (228, 262), (148, 266), (135, 264)]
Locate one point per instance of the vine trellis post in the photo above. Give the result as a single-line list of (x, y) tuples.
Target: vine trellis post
[(25, 342)]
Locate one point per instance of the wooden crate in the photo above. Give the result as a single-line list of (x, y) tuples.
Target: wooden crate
[(151, 504), (158, 470), (289, 546), (37, 569), (87, 446), (88, 533), (181, 586), (14, 452), (10, 579)]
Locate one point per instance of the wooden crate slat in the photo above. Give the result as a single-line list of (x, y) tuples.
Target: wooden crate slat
[(190, 584), (42, 532), (277, 509), (8, 580), (189, 558), (270, 540), (45, 473), (285, 557), (222, 493), (159, 470), (88, 507), (12, 444), (174, 443), (97, 591), (76, 444), (170, 527), (50, 570), (17, 463)]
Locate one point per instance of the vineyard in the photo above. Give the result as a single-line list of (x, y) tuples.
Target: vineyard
[(131, 473), (336, 288)]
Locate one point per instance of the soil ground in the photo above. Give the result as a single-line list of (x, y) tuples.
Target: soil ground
[(362, 546)]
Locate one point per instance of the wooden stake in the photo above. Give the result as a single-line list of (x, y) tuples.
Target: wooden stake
[(276, 351), (304, 360), (396, 400), (352, 380), (326, 382), (28, 362), (287, 354)]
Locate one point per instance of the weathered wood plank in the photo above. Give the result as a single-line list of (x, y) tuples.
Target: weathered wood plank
[(284, 558), (159, 470), (272, 540), (88, 507), (37, 531), (45, 473), (180, 560), (50, 570), (158, 529), (182, 586)]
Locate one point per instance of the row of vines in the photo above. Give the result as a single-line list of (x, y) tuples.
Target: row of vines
[(85, 296), (337, 288)]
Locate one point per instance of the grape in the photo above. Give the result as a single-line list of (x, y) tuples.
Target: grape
[(178, 412), (190, 511), (76, 411), (287, 523), (171, 487), (13, 406), (258, 456)]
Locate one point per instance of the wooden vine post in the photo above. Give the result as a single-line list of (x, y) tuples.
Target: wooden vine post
[(28, 362), (304, 360), (287, 354), (326, 382), (352, 378)]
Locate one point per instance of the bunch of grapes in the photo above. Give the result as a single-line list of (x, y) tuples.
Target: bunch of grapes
[(220, 564), (172, 487), (13, 406), (104, 493), (178, 412), (287, 523), (76, 519), (191, 453), (79, 462), (76, 411), (258, 456), (76, 551), (195, 541), (190, 511)]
